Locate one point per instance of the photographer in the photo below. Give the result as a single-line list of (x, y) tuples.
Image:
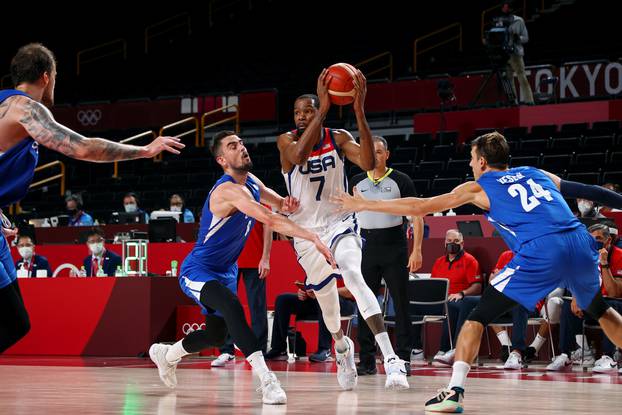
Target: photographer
[(518, 36)]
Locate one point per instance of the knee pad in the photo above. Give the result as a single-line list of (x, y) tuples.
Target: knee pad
[(328, 299), (554, 306), (348, 256), (597, 307)]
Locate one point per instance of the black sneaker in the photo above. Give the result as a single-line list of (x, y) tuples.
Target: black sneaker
[(366, 368), (447, 400), (321, 356), (505, 353), (530, 354), (407, 367), (275, 354)]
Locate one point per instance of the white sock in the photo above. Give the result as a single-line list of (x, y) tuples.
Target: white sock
[(341, 345), (504, 339), (258, 364), (582, 341), (385, 345), (459, 374), (176, 352), (538, 342)]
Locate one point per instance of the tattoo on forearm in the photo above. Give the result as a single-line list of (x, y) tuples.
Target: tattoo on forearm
[(42, 127)]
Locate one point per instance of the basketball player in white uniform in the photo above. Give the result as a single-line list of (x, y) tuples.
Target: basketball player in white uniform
[(312, 162)]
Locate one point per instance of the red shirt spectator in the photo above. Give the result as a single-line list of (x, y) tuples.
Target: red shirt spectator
[(462, 272), (504, 259)]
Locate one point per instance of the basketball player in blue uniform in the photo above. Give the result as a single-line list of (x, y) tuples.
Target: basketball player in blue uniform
[(208, 275), (551, 247), (25, 123)]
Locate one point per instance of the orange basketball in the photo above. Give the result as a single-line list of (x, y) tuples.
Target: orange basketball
[(341, 84)]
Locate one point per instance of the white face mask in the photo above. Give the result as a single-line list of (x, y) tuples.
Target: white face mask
[(130, 207), (25, 252), (584, 207), (175, 208), (96, 248)]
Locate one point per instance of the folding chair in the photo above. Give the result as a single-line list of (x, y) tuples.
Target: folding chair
[(425, 291)]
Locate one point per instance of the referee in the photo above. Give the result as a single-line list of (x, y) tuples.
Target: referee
[(385, 252)]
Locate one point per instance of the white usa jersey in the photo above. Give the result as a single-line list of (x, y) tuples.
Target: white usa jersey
[(313, 183)]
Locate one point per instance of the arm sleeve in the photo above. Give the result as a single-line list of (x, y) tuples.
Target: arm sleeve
[(600, 195)]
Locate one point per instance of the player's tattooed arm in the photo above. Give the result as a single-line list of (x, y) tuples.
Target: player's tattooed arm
[(38, 121)]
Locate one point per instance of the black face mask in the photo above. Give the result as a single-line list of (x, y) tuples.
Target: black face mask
[(72, 212), (452, 248)]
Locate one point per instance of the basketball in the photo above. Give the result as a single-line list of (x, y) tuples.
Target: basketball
[(341, 84)]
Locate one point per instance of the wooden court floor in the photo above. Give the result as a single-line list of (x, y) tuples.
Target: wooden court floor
[(57, 385)]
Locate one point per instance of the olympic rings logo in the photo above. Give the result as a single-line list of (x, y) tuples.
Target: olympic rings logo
[(89, 117), (188, 328)]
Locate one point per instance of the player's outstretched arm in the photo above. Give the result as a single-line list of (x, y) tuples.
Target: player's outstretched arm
[(469, 192), (38, 121), (231, 196), (269, 197), (576, 190)]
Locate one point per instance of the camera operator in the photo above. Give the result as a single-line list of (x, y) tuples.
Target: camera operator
[(518, 36)]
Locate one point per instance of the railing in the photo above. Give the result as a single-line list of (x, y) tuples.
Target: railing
[(115, 173), (235, 118), (17, 209), (447, 28), (181, 20), (388, 66), (105, 50), (192, 120)]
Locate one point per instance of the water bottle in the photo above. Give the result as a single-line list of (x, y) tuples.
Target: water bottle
[(450, 213), (174, 268), (82, 271), (119, 272), (100, 272)]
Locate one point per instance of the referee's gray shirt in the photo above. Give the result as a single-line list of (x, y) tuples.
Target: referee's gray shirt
[(393, 185)]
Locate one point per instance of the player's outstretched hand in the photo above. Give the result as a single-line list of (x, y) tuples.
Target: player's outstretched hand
[(322, 90), (324, 250), (348, 203), (163, 143), (290, 204)]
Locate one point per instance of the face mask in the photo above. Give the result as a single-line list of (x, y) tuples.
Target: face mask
[(72, 212), (96, 248), (452, 248), (599, 245), (584, 207), (130, 207), (25, 252), (175, 208)]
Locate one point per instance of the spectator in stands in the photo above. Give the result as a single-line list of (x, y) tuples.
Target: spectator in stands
[(610, 260), (130, 204), (77, 217), (465, 285), (30, 261), (305, 307), (100, 257), (518, 37), (588, 209), (176, 204), (513, 351)]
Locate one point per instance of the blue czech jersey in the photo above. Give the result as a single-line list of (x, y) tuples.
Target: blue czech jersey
[(219, 244), (17, 167), (525, 204), (552, 248)]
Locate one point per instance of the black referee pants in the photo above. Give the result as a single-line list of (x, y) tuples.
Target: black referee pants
[(385, 255)]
